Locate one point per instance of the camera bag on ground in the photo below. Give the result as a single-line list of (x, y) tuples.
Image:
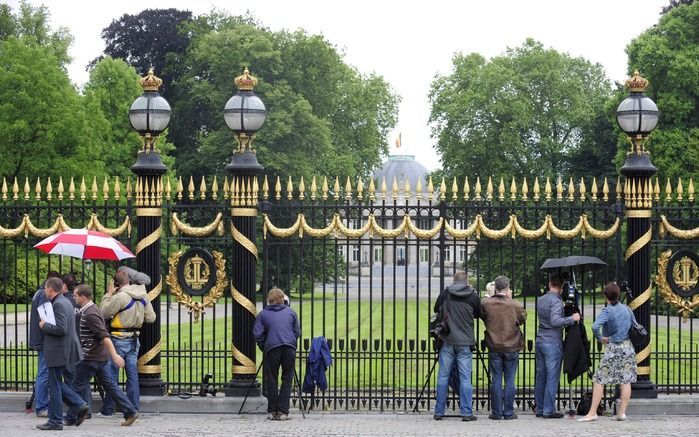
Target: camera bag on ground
[(585, 404)]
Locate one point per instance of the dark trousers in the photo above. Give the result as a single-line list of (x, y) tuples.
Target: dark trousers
[(84, 372), (278, 398)]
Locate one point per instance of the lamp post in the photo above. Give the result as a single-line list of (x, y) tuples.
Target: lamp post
[(149, 116), (637, 116), (244, 114)]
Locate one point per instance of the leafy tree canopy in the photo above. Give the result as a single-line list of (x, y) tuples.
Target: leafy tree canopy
[(31, 24), (323, 115), (43, 127), (668, 55), (531, 111)]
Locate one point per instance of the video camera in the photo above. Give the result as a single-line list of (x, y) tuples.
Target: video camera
[(207, 388)]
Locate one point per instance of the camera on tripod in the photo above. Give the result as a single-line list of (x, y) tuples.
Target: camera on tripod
[(207, 388)]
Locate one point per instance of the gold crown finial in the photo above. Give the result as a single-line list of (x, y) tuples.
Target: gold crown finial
[(246, 81), (637, 83), (151, 82)]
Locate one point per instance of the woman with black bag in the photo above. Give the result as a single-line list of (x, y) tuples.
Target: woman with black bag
[(618, 366)]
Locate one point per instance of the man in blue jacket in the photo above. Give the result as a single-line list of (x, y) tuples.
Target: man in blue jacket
[(276, 332)]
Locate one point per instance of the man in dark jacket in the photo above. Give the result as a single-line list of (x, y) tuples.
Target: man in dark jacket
[(61, 348), (97, 347), (276, 332), (459, 305), (36, 342), (503, 317)]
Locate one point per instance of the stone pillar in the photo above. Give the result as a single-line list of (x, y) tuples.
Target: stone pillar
[(638, 170), (244, 171)]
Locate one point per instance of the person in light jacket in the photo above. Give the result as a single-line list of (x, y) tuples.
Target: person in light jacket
[(618, 365), (276, 332)]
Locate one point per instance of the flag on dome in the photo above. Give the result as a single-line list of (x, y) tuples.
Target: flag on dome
[(398, 142)]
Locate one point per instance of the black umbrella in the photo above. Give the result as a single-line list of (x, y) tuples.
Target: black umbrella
[(591, 262)]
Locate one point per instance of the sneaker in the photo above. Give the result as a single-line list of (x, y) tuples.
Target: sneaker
[(470, 418), (438, 417), (275, 416), (130, 420), (103, 416), (513, 417), (283, 416), (43, 413), (494, 417), (270, 416), (620, 418)]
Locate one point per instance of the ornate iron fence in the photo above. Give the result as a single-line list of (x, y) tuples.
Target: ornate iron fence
[(363, 268)]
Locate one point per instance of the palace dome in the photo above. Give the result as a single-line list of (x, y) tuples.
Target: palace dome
[(401, 167)]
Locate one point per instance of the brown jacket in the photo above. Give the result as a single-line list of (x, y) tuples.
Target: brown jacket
[(503, 317)]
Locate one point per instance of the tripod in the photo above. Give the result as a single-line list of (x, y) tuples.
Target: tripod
[(298, 386), (434, 364)]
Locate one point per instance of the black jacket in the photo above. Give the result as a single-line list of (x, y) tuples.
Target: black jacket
[(464, 307), (576, 351)]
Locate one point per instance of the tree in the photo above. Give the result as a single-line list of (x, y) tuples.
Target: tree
[(527, 112), (112, 87), (318, 106), (32, 25), (667, 55), (43, 128), (152, 38), (323, 116)]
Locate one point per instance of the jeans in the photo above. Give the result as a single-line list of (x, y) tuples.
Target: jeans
[(548, 375), (503, 364), (447, 354), (41, 386), (127, 348), (278, 399), (85, 371), (60, 392)]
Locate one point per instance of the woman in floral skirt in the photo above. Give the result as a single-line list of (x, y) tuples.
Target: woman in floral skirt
[(618, 366)]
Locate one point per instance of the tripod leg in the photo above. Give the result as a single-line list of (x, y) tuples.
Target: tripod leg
[(247, 393), (298, 385), (427, 380)]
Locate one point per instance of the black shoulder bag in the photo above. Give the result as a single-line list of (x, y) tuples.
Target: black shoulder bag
[(637, 332), (439, 322)]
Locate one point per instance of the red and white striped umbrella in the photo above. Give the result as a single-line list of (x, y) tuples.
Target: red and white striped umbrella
[(84, 244)]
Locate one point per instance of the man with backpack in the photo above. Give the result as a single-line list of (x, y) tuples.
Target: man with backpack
[(128, 307)]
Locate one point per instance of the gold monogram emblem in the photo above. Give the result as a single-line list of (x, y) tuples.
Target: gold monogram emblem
[(677, 279), (196, 272), (197, 278), (685, 273)]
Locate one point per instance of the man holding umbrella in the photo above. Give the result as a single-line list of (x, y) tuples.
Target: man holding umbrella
[(549, 348), (61, 348)]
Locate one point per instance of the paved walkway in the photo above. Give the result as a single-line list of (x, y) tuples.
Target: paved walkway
[(335, 424)]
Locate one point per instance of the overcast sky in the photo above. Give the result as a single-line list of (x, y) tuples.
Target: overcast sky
[(408, 43)]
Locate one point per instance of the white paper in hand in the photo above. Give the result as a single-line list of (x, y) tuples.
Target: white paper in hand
[(46, 313)]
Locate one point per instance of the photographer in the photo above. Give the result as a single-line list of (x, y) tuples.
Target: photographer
[(276, 332), (459, 305), (549, 348), (128, 307), (503, 317)]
